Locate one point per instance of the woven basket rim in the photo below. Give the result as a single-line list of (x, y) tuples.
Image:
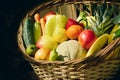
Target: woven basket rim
[(31, 59), (61, 2)]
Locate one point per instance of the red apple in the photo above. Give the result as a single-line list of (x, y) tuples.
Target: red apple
[(71, 22)]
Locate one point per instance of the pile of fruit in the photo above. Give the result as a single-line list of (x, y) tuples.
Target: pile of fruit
[(56, 37)]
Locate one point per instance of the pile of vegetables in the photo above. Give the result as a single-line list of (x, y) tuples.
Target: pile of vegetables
[(58, 37)]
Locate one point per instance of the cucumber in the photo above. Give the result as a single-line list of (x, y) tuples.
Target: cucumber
[(27, 33), (37, 31)]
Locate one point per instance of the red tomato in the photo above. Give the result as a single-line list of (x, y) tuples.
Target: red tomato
[(48, 14), (87, 38)]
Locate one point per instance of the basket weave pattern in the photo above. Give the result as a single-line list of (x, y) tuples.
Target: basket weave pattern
[(53, 72), (86, 69)]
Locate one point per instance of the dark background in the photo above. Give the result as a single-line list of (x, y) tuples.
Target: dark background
[(12, 64)]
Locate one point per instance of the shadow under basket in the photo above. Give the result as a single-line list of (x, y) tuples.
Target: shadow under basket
[(90, 68)]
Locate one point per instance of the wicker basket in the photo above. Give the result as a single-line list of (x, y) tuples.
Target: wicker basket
[(91, 68)]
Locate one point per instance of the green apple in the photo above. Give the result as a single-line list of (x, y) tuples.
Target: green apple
[(59, 34)]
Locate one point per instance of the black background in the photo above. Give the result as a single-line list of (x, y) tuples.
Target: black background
[(12, 64)]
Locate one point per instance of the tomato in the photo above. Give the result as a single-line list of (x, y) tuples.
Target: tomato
[(87, 38), (48, 14)]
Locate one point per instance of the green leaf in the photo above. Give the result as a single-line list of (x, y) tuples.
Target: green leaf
[(116, 20), (82, 15)]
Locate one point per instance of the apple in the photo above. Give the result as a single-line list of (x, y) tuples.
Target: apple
[(71, 22), (59, 34), (47, 42)]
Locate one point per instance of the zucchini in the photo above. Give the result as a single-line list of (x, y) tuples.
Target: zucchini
[(28, 35)]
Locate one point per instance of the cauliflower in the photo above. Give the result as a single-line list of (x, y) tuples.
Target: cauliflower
[(68, 49)]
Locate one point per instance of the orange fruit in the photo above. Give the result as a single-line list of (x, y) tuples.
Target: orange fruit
[(73, 31)]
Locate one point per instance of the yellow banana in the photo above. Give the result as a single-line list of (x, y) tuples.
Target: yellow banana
[(98, 44)]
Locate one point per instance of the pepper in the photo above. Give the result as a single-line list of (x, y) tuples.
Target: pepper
[(55, 27), (54, 21), (50, 25)]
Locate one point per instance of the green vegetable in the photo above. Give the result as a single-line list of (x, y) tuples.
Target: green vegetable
[(83, 18), (53, 55), (37, 31), (27, 33), (54, 21), (104, 19), (116, 20), (117, 34), (61, 21), (114, 31), (50, 25)]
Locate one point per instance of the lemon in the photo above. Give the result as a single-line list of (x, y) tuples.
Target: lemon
[(98, 44)]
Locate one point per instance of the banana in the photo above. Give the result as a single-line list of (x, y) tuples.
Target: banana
[(98, 44)]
